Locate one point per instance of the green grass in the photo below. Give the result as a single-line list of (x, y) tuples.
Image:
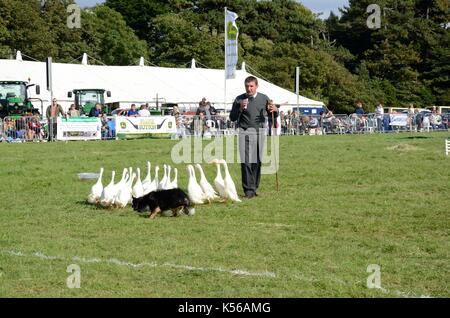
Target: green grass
[(345, 202)]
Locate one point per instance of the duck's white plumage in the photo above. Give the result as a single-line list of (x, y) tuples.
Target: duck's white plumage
[(108, 192), (138, 189), (148, 178), (230, 187), (195, 192), (124, 195), (120, 184), (219, 183), (207, 188), (168, 183), (175, 179), (162, 183), (96, 190)]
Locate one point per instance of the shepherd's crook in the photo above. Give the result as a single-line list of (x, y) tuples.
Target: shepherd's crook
[(275, 155)]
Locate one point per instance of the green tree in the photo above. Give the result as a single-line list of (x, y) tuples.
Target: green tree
[(180, 40), (25, 29), (110, 39)]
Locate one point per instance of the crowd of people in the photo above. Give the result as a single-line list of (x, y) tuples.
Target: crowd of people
[(411, 119), (207, 121)]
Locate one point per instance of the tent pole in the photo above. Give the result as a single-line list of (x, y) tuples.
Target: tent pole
[(297, 90), (225, 66)]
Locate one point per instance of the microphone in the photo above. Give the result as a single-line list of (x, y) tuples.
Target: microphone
[(245, 101)]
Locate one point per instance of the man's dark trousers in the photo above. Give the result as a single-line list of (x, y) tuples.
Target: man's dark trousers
[(250, 150)]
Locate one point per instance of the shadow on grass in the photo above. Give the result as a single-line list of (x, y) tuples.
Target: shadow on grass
[(97, 207), (416, 137)]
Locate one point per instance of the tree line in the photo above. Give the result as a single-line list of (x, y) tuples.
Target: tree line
[(405, 60)]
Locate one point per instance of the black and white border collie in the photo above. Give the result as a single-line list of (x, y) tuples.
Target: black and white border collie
[(158, 201)]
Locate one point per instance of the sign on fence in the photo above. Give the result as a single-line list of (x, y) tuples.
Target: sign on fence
[(79, 128), (145, 127), (399, 120)]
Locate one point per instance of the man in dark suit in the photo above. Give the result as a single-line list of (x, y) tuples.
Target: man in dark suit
[(250, 110)]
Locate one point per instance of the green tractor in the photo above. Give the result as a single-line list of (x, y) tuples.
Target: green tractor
[(85, 99), (14, 99)]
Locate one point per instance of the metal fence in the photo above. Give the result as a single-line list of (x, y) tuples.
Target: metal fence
[(201, 126), (19, 129), (36, 129)]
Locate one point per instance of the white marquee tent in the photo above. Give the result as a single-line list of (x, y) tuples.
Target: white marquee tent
[(140, 84)]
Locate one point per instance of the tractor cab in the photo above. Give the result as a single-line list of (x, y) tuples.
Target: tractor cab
[(85, 99), (14, 99)]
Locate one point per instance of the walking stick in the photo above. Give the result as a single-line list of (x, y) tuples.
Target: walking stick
[(275, 155)]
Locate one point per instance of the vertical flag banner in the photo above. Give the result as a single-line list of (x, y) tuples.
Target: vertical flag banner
[(231, 44)]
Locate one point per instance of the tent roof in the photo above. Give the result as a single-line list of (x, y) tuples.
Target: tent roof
[(143, 83)]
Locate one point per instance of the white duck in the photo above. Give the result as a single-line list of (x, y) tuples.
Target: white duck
[(168, 183), (162, 183), (108, 192), (153, 186), (207, 188), (96, 190), (175, 180), (138, 189), (120, 184), (230, 188), (195, 192), (124, 195), (219, 183), (148, 178)]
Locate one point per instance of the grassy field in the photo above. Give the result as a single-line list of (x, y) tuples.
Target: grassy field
[(345, 202)]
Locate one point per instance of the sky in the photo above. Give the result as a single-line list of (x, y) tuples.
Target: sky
[(316, 6), (324, 6)]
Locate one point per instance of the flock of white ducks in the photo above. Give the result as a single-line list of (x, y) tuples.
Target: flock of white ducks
[(120, 194)]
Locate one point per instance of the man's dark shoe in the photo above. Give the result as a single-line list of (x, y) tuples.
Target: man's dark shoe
[(250, 195)]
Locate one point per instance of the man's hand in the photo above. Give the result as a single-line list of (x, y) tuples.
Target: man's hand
[(244, 103), (272, 108)]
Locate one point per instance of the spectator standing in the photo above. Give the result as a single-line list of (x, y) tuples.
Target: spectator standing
[(295, 122), (144, 112), (53, 112), (313, 125), (359, 109), (328, 121), (434, 119), (105, 126), (411, 114), (201, 107), (271, 125), (379, 113), (284, 123), (206, 108), (199, 125), (417, 120)]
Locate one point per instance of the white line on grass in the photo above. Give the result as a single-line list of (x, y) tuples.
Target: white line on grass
[(115, 261)]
